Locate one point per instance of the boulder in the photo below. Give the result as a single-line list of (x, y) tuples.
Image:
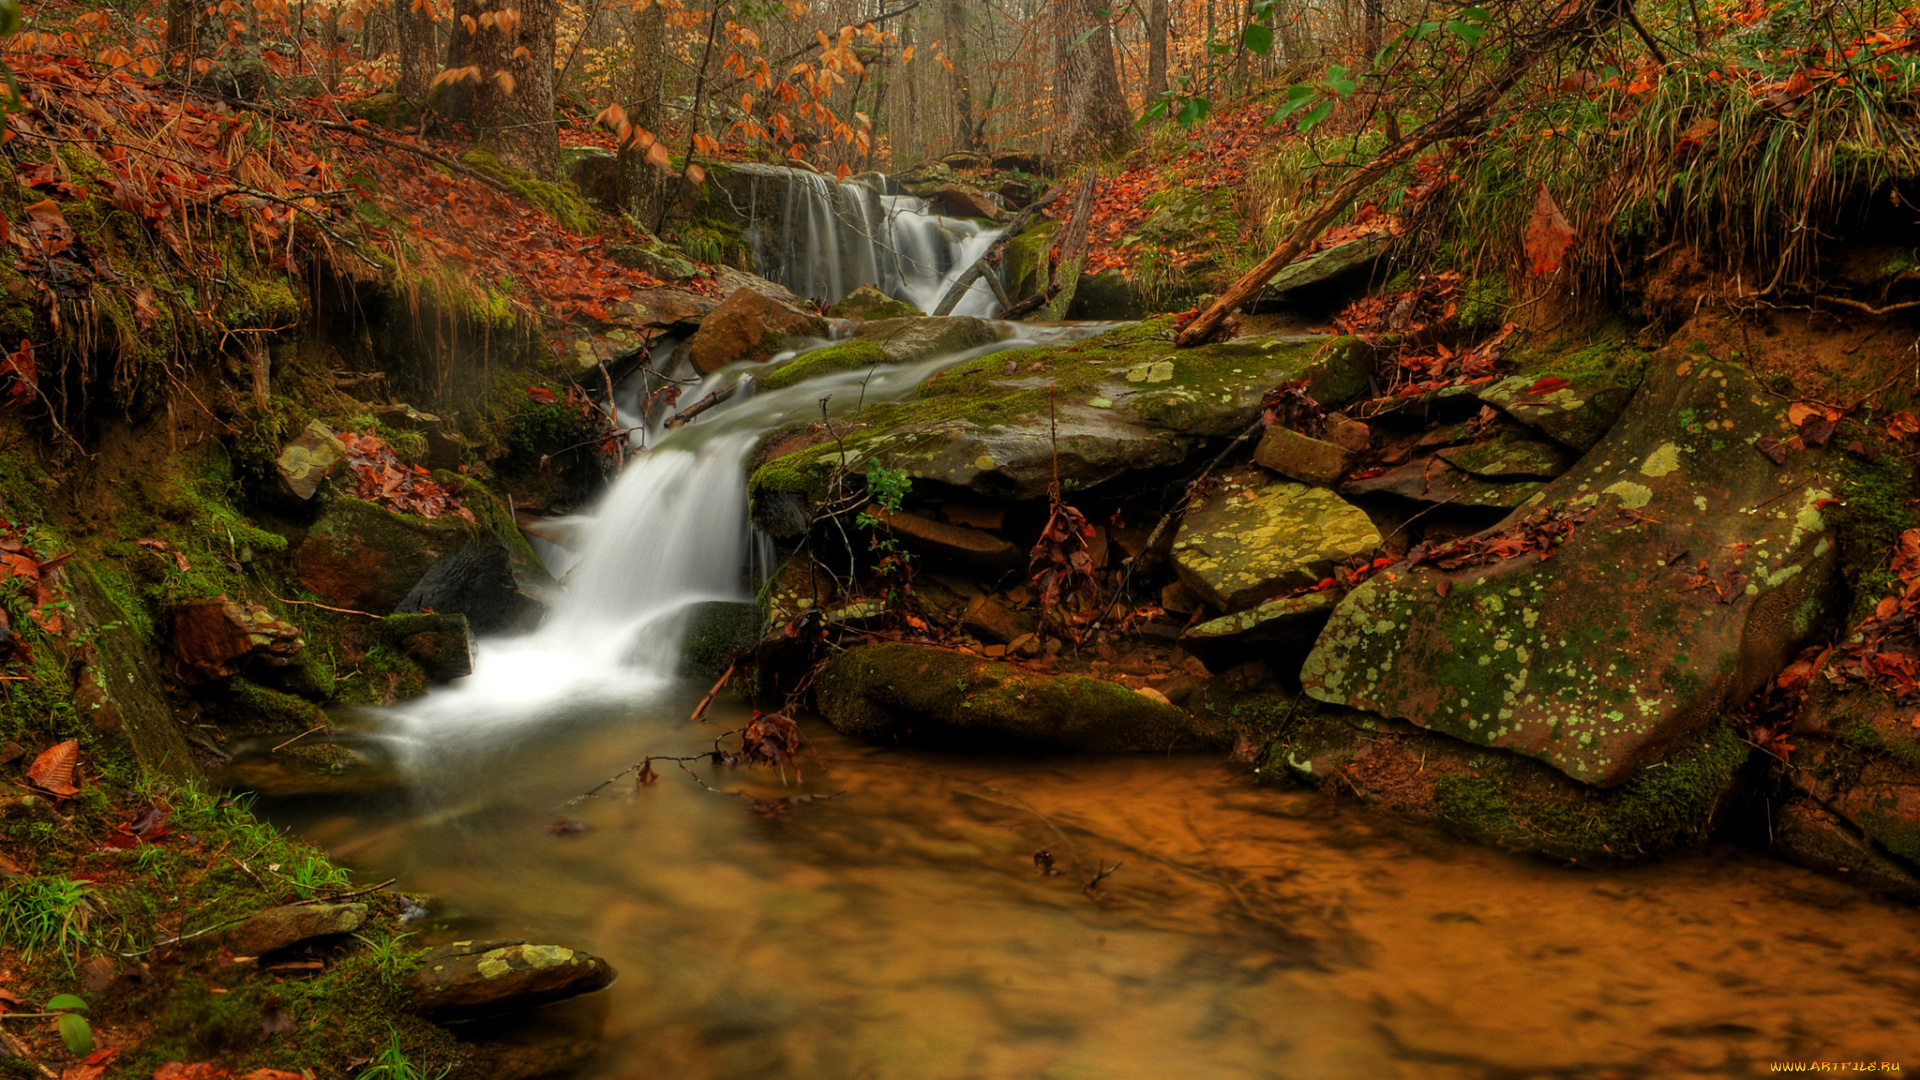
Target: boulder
[(1856, 760), (1617, 647), (1251, 540), (991, 621), (488, 978), (1299, 457), (215, 638), (1031, 164), (976, 549), (657, 258), (717, 631), (1433, 482), (293, 924), (914, 694), (306, 462), (748, 327), (868, 302), (964, 159), (481, 582), (1279, 631), (1509, 455), (363, 557), (923, 337), (1576, 412), (957, 200), (1807, 833), (1329, 264), (440, 642)]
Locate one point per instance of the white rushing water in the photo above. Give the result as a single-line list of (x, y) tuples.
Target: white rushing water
[(823, 239), (671, 532)]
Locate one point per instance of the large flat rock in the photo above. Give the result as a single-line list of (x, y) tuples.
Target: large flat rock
[(1620, 644), (1248, 543)]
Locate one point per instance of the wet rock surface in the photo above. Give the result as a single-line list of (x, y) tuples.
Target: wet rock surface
[(748, 327), (1574, 660), (897, 693), (469, 979), (293, 924), (215, 638)]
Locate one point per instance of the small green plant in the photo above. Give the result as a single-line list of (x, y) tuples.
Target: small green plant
[(74, 1029), (46, 914), (392, 1064), (390, 953), (893, 564)]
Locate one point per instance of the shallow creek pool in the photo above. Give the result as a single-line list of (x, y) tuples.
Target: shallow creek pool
[(902, 930)]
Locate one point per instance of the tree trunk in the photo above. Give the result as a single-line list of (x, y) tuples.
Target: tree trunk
[(1156, 48), (506, 94), (180, 34), (1373, 28), (956, 46), (641, 185), (419, 52), (1098, 124), (1465, 117), (910, 133)]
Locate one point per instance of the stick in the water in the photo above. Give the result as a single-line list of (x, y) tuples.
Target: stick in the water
[(701, 406)]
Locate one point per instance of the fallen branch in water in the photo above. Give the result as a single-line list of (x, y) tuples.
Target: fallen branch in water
[(701, 406), (700, 710)]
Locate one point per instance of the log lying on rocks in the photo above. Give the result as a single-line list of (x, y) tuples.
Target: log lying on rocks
[(984, 265)]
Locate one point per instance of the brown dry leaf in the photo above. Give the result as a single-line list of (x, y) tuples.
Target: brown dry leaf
[(1548, 235), (52, 772), (1800, 412)]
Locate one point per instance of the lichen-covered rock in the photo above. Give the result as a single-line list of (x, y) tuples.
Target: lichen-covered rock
[(1508, 800), (1856, 758), (1331, 263), (1300, 457), (306, 462), (214, 638), (1433, 482), (1618, 646), (293, 924), (488, 978), (1120, 402), (748, 327), (1277, 631), (868, 302), (1509, 455), (1248, 542), (923, 337), (898, 693), (1577, 413)]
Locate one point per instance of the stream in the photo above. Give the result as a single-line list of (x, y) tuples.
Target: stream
[(881, 914)]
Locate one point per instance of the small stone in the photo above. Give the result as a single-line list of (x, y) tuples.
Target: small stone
[(488, 978), (990, 621), (1151, 694), (306, 462), (1352, 434), (214, 638), (1297, 457), (293, 924)]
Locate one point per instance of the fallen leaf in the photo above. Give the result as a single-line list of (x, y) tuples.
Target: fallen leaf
[(52, 772), (1547, 385), (1548, 235)]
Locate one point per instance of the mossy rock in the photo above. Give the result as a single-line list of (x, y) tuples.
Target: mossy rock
[(562, 201), (367, 558), (1510, 801), (867, 302), (911, 694), (717, 631), (840, 356), (1024, 270)]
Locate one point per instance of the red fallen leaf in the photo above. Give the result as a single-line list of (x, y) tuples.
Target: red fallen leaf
[(1903, 426), (8, 999), (541, 394), (1547, 385), (52, 772), (1445, 586), (1886, 607), (1774, 450), (1548, 235), (199, 1070)]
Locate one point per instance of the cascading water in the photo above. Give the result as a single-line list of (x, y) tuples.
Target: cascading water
[(671, 532), (823, 239)]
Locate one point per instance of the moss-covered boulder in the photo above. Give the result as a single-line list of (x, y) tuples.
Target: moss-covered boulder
[(1619, 646), (489, 978), (856, 355), (1575, 412), (717, 631), (1278, 632), (1511, 454), (1508, 800), (1252, 539), (868, 302), (913, 694), (1856, 759), (440, 642), (1119, 402), (923, 337), (361, 556)]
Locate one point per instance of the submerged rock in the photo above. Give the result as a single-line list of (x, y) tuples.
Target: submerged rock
[(1247, 543), (1618, 646), (748, 327), (487, 978), (293, 924), (897, 693)]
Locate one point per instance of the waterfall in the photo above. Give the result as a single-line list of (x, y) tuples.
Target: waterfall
[(822, 239)]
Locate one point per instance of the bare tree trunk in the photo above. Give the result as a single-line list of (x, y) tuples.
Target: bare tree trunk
[(1463, 118), (1373, 26), (1156, 48), (1098, 124), (180, 34), (419, 52), (641, 185), (911, 142), (506, 94), (956, 46)]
